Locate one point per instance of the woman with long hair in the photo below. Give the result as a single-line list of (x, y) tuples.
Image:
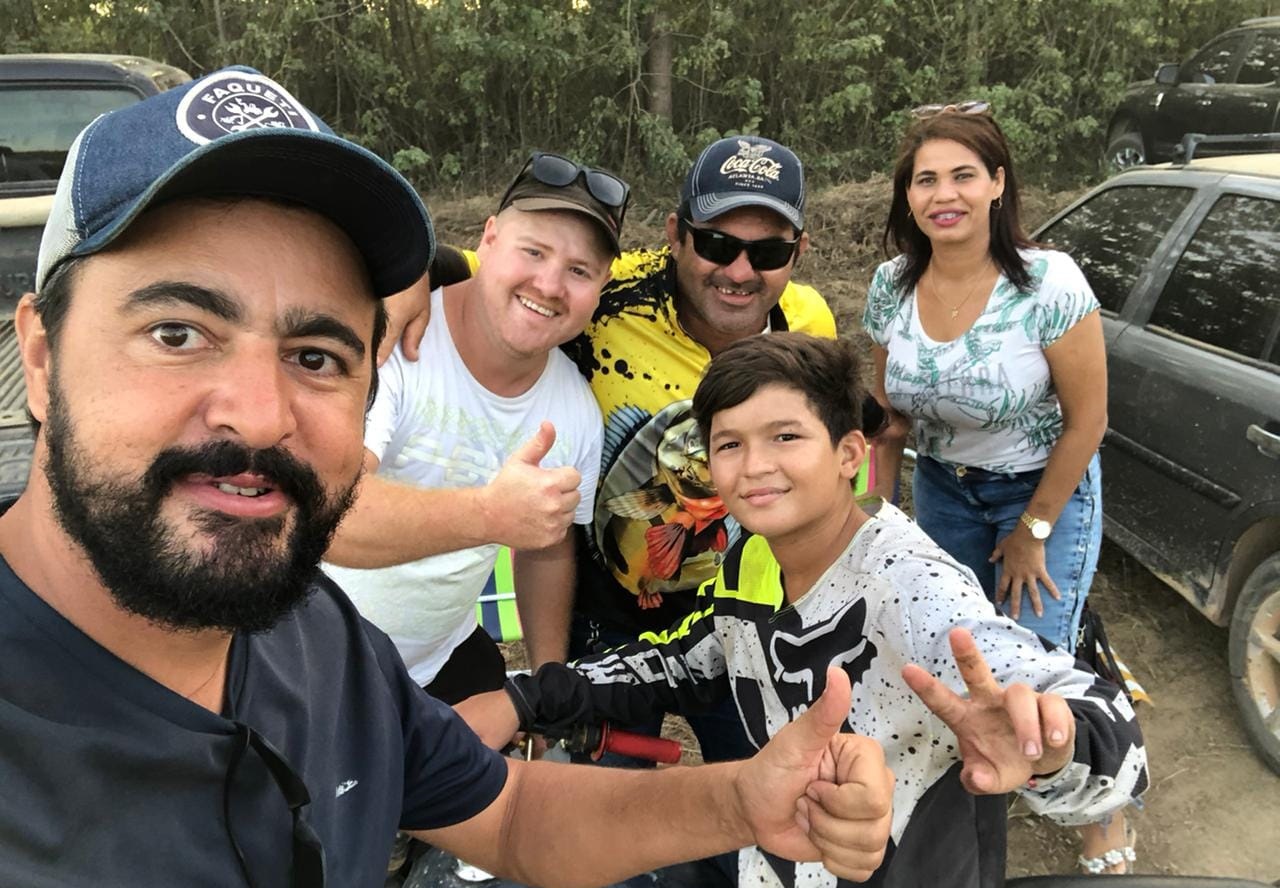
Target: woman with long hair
[(990, 347)]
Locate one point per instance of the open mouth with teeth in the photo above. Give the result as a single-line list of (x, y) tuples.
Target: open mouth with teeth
[(242, 491), (536, 308), (735, 295), (246, 495)]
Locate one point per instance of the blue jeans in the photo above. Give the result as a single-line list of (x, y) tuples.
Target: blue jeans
[(967, 510)]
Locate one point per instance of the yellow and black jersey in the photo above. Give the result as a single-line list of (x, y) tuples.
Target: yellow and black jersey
[(660, 529)]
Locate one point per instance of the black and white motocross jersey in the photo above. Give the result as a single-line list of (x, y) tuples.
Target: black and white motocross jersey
[(889, 599)]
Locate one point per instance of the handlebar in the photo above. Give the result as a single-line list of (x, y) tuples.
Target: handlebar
[(596, 740)]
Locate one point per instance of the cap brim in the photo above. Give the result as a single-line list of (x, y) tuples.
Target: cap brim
[(354, 188), (706, 207), (534, 204)]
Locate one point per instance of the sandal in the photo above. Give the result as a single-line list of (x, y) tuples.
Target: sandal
[(1096, 866)]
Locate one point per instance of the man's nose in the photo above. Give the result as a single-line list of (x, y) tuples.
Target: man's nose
[(550, 280), (740, 270), (252, 397)]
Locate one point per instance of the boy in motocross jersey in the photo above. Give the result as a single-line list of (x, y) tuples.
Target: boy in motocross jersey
[(967, 704)]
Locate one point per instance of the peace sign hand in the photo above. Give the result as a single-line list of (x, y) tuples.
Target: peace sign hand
[(1006, 735)]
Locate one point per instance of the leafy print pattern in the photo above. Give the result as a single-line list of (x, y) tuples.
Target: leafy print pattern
[(986, 398)]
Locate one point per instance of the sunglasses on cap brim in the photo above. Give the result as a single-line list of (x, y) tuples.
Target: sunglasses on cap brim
[(559, 172), (973, 106), (719, 248)]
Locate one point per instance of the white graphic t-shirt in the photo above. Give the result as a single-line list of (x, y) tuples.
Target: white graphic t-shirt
[(985, 399), (433, 425)]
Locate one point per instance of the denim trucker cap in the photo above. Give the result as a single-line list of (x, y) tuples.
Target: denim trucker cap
[(745, 171), (235, 132)]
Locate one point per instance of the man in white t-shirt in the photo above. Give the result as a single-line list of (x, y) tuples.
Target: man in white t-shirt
[(492, 397)]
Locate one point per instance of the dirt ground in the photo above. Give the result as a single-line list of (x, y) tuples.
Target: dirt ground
[(1213, 808)]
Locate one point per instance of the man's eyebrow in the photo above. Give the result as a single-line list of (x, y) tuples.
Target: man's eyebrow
[(175, 293), (299, 323)]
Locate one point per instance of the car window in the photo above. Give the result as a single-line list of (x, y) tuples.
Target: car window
[(41, 122), (1213, 63), (1224, 288), (1262, 63), (1114, 234)]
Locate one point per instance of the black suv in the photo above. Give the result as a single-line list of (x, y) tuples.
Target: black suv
[(45, 100), (1232, 85), (1185, 261)]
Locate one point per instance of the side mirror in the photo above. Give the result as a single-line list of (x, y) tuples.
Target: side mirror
[(1167, 75)]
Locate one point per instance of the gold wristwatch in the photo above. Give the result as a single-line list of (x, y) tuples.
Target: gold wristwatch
[(1040, 529)]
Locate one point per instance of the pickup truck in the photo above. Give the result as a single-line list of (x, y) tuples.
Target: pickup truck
[(1230, 86), (45, 100)]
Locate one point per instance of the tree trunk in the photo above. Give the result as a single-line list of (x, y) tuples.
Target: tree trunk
[(222, 32), (661, 55), (975, 67)]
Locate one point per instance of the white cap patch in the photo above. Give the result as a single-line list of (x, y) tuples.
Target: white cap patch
[(749, 168), (235, 101)]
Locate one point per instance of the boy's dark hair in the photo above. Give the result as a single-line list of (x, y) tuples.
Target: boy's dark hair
[(826, 371)]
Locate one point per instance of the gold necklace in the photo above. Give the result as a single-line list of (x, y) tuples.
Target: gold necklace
[(955, 311)]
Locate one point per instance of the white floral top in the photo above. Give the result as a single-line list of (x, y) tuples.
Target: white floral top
[(985, 399)]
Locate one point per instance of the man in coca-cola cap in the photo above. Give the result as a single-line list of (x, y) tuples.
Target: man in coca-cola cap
[(660, 530)]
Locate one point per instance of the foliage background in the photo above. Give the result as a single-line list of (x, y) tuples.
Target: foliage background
[(456, 92)]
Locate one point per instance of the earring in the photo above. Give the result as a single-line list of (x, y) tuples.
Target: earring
[(997, 203)]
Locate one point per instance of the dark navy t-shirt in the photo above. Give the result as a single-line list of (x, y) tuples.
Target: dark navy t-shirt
[(108, 778)]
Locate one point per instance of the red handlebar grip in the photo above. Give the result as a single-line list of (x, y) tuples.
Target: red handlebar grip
[(654, 749)]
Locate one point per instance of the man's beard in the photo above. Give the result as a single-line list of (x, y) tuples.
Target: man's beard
[(244, 581)]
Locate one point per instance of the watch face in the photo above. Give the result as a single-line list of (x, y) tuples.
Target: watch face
[(1040, 529)]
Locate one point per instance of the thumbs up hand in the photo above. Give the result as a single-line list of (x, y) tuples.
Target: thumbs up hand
[(813, 793), (526, 506)]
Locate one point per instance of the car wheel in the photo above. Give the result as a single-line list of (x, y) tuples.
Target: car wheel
[(1255, 658), (1125, 148)]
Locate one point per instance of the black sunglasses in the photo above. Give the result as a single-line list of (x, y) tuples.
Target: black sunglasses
[(559, 172), (722, 249)]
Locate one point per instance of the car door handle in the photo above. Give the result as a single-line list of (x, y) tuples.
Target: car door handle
[(1204, 103), (1268, 443)]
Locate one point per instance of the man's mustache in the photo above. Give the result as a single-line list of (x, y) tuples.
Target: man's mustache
[(277, 466)]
